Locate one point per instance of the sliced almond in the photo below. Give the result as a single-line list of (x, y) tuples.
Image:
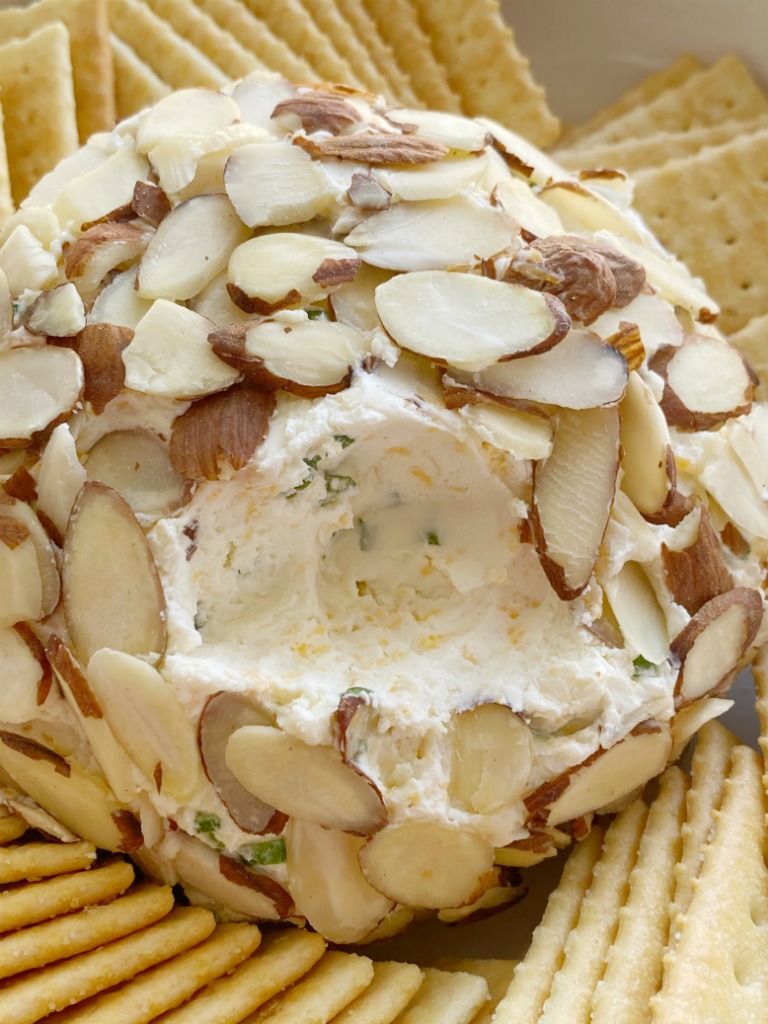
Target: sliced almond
[(59, 479), (690, 718), (319, 111), (223, 713), (525, 432), (258, 94), (284, 269), (22, 514), (515, 197), (100, 250), (583, 209), (327, 884), (645, 444), (306, 357), (118, 303), (491, 758), (185, 112), (638, 613), (100, 347), (220, 432), (58, 312), (715, 640), (215, 304), (579, 373), (105, 186), (693, 563), (455, 132), (148, 721), (374, 148), (432, 235), (521, 156), (366, 193), (190, 247), (136, 464), (572, 496), (26, 262), (654, 318), (271, 184), (354, 302), (706, 381), (22, 673), (427, 864), (150, 202), (505, 892), (111, 588), (22, 592), (604, 778), (468, 321), (169, 355), (304, 781), (39, 388)]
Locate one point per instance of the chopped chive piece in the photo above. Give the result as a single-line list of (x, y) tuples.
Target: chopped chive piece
[(433, 539), (205, 822), (336, 484), (355, 691), (344, 440), (271, 851), (316, 314), (642, 665)]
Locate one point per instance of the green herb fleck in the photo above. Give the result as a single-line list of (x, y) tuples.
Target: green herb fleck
[(356, 691), (344, 440), (336, 484), (313, 463), (433, 539), (205, 822), (271, 851), (642, 666), (316, 314)]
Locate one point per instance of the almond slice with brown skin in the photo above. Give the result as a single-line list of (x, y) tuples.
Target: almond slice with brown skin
[(100, 347), (101, 249), (605, 777), (272, 184), (136, 464), (327, 884), (190, 247), (468, 321), (505, 892), (520, 155), (23, 674), (374, 148), (39, 388), (455, 132), (690, 718), (525, 432), (111, 589), (307, 357), (319, 111), (306, 781), (654, 318), (582, 209), (649, 474), (581, 372), (118, 304), (491, 758), (693, 563), (353, 303), (58, 312), (22, 513), (21, 596), (219, 432), (706, 381), (224, 712), (428, 864), (638, 613), (367, 193), (284, 269), (715, 640), (572, 496), (150, 202)]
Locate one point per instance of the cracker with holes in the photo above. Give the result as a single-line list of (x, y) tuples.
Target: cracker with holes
[(716, 972), (752, 341)]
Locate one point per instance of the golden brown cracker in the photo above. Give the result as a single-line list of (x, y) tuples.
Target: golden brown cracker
[(379, 52), (485, 67), (41, 860), (451, 998), (11, 825), (400, 29), (633, 963), (174, 59), (497, 973), (87, 24), (136, 84), (216, 43), (38, 104), (332, 984), (752, 341), (330, 21), (711, 210), (717, 972), (393, 987)]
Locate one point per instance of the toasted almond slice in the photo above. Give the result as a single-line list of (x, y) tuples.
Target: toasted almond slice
[(715, 640), (185, 112), (308, 782), (100, 249), (58, 312), (39, 388), (468, 321), (190, 247), (654, 318), (432, 235), (136, 464), (22, 592), (306, 357), (645, 444), (605, 777), (271, 184), (582, 209), (147, 720), (521, 156), (455, 132), (100, 347), (581, 372), (60, 476), (491, 758), (169, 355), (426, 864), (327, 884), (150, 202), (638, 613), (23, 673), (287, 269), (693, 563), (572, 496), (526, 433), (111, 589), (76, 797), (706, 381), (118, 303), (22, 514), (318, 111), (223, 713), (374, 148), (26, 262)]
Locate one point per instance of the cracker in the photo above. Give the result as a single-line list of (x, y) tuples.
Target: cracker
[(633, 963), (40, 860), (171, 983), (451, 998), (76, 933), (280, 961), (485, 67), (87, 24), (218, 45), (28, 904), (11, 825), (136, 84), (724, 92), (174, 59), (330, 21), (399, 27), (330, 986), (38, 104), (752, 341), (717, 971), (533, 976), (393, 987), (26, 1000), (379, 52), (497, 973), (654, 150), (711, 210), (289, 21), (259, 38), (658, 82), (587, 945)]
